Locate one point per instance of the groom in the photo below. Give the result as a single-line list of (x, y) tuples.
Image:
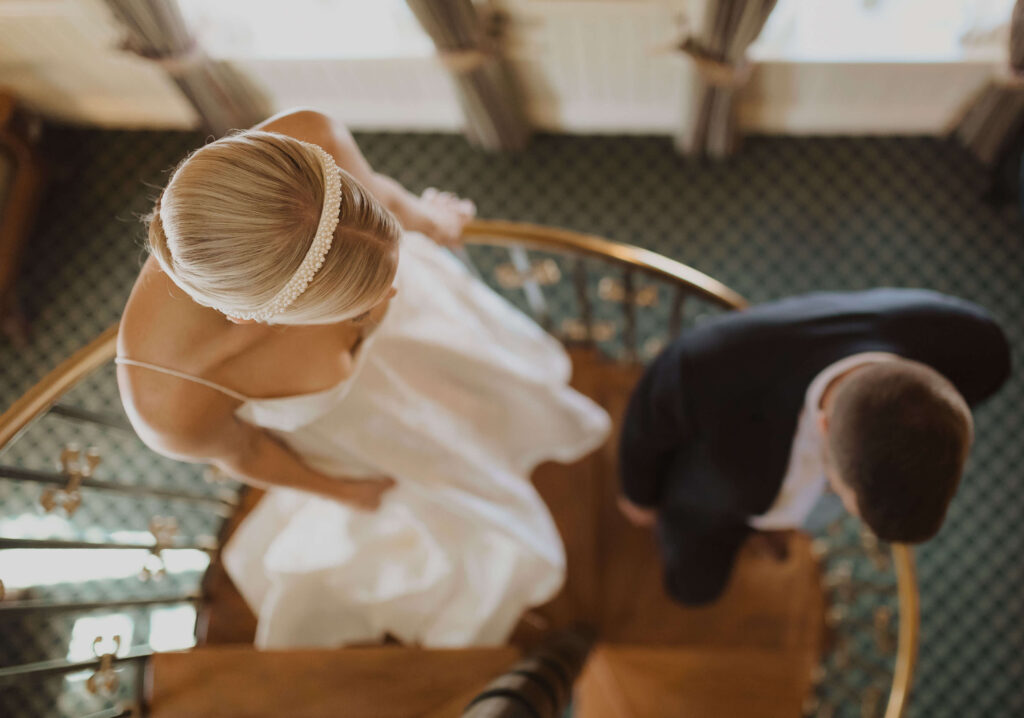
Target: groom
[(743, 422)]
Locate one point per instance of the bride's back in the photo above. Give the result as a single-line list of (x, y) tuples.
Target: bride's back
[(229, 231)]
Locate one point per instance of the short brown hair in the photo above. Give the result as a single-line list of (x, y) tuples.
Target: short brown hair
[(899, 434)]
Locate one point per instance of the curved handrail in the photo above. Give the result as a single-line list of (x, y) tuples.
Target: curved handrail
[(102, 349), (502, 232), (909, 632), (50, 388)]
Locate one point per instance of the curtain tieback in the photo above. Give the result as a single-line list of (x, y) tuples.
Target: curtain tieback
[(1009, 77), (716, 72), (465, 60), (173, 62)]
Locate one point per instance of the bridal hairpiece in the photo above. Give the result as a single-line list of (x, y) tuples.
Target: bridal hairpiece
[(314, 258)]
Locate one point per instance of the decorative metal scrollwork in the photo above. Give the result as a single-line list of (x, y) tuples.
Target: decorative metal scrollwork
[(164, 530), (543, 272), (104, 681), (613, 290), (856, 565), (75, 467), (885, 629), (214, 475), (576, 330), (879, 555), (871, 701), (652, 348)]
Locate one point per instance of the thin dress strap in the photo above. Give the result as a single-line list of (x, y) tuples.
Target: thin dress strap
[(182, 375)]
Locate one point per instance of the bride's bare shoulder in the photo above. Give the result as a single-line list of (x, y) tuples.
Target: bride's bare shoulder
[(303, 123), (310, 125), (162, 326), (173, 416), (156, 309)]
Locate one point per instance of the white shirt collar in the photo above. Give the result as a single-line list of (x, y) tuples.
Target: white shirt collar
[(804, 481), (812, 400)]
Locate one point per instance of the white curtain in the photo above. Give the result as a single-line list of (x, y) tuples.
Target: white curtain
[(490, 104), (996, 118), (718, 48)]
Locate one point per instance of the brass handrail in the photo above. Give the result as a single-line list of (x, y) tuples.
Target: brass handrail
[(909, 631), (504, 233), (45, 393)]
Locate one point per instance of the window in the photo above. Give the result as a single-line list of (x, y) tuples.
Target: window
[(88, 628), (885, 31), (306, 29), (172, 629)]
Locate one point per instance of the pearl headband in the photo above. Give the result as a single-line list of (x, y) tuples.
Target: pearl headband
[(321, 244)]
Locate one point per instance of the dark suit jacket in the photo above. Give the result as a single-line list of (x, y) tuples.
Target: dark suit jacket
[(709, 428)]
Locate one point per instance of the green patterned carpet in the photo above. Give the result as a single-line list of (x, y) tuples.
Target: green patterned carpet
[(786, 216)]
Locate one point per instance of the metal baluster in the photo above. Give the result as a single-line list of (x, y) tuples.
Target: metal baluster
[(164, 529), (118, 712), (871, 700), (75, 471), (583, 297), (41, 606), (534, 294), (208, 546), (876, 552), (884, 620), (60, 666), (675, 318), (540, 685), (224, 501), (629, 314), (91, 417), (466, 260), (104, 681)]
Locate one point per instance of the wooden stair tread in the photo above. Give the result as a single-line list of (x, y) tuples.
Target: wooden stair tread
[(371, 682), (690, 682)]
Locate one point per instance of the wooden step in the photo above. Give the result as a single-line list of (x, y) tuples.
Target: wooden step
[(673, 682), (372, 682)]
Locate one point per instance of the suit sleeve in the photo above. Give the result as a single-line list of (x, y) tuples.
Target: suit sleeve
[(654, 427), (959, 339)]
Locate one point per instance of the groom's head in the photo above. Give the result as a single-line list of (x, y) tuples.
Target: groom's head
[(897, 437)]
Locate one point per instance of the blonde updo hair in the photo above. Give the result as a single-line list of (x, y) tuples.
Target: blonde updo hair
[(238, 216)]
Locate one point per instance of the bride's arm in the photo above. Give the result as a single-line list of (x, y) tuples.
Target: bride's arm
[(189, 428), (439, 215), (257, 458)]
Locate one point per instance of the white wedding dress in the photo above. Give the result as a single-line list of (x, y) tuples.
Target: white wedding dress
[(457, 396)]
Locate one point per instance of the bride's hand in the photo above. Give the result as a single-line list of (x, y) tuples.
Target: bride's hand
[(448, 215), (640, 516), (364, 494)]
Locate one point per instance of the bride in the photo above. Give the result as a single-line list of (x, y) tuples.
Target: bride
[(298, 326)]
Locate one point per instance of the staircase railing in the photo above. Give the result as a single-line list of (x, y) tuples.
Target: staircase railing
[(627, 301), (538, 686)]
